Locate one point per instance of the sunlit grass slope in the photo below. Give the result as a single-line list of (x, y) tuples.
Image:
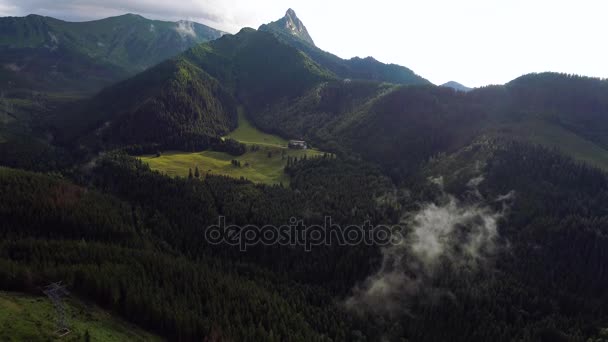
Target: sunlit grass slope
[(248, 134), (27, 318)]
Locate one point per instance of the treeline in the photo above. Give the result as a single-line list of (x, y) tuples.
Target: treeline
[(191, 205), (191, 143)]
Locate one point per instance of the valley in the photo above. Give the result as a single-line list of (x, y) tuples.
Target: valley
[(126, 141), (263, 162)]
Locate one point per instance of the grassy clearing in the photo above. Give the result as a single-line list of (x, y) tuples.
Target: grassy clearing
[(264, 165), (248, 134), (554, 136), (256, 166), (27, 318)]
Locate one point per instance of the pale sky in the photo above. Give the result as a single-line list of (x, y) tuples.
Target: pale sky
[(474, 42)]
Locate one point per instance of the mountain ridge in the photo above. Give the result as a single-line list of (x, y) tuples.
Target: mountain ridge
[(354, 68), (53, 53)]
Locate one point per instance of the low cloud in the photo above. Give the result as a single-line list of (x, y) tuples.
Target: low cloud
[(185, 29), (451, 233), (226, 15)]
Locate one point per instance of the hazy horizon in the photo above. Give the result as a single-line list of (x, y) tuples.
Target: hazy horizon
[(472, 42)]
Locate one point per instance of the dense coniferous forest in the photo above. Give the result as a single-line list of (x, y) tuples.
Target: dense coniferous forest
[(504, 226)]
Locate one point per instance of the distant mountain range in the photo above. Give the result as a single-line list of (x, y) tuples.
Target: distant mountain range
[(292, 31), (193, 95), (456, 86), (46, 53)]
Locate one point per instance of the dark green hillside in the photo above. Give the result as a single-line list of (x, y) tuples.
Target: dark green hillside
[(46, 53), (395, 126), (261, 69), (410, 124), (322, 113), (188, 102), (291, 31), (579, 104), (399, 127), (174, 105)]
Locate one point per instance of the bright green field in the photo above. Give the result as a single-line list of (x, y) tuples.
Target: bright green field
[(27, 318), (256, 166), (248, 134)]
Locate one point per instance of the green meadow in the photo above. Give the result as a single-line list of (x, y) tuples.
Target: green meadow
[(28, 318), (248, 134), (263, 164)]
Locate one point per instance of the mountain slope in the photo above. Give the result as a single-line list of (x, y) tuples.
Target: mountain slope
[(189, 101), (579, 104), (175, 104), (46, 53), (401, 126), (258, 67), (355, 68)]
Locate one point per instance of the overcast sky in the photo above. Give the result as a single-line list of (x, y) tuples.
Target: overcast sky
[(475, 42)]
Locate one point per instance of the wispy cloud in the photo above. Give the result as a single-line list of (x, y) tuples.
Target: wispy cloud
[(450, 233)]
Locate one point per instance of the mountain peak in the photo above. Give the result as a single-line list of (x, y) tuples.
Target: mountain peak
[(296, 27), (291, 13), (456, 86), (290, 25)]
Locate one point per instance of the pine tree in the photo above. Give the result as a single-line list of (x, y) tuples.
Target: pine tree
[(190, 173), (197, 174)]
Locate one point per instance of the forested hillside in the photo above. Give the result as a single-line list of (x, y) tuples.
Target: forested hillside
[(173, 105)]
